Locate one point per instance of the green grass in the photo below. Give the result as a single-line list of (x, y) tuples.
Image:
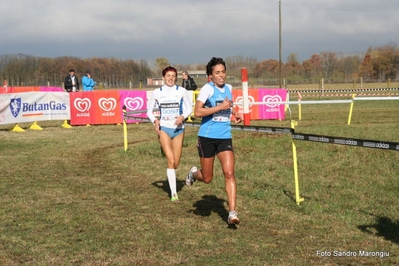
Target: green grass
[(73, 197)]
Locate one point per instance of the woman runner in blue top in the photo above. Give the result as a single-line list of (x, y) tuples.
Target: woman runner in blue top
[(174, 107), (214, 104)]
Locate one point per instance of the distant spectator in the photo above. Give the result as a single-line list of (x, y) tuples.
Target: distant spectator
[(188, 82), (87, 82), (71, 82)]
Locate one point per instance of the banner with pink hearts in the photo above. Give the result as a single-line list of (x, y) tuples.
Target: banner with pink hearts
[(105, 107), (133, 100), (270, 110), (82, 108), (108, 109), (253, 96)]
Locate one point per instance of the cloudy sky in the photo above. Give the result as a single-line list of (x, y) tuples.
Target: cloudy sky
[(192, 31)]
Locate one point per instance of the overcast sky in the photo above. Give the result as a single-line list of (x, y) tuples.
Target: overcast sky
[(192, 31)]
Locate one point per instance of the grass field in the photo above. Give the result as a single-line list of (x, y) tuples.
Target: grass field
[(74, 197)]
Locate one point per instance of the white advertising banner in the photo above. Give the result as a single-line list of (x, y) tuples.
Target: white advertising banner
[(34, 106)]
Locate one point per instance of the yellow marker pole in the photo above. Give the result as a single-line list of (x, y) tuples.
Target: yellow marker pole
[(124, 133), (195, 94), (298, 199), (351, 109), (193, 103)]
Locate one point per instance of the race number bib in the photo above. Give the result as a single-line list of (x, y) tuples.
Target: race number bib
[(222, 115), (169, 111)]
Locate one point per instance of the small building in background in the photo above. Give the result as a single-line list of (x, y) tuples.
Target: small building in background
[(154, 81), (193, 74)]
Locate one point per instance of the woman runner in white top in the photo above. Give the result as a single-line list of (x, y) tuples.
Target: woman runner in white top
[(174, 107)]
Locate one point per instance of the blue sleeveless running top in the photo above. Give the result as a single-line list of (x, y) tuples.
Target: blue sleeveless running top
[(217, 125)]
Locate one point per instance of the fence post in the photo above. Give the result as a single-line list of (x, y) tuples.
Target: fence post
[(361, 83), (298, 198), (244, 78)]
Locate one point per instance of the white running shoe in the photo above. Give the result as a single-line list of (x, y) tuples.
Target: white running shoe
[(190, 178), (233, 218), (174, 198)]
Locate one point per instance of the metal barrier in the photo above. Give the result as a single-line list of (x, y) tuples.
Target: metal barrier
[(376, 144)]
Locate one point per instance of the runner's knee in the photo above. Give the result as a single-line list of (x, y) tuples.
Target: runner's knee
[(229, 175)]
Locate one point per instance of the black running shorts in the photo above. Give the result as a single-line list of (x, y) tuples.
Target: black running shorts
[(208, 147)]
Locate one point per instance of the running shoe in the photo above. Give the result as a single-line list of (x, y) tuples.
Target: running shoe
[(174, 198), (190, 178), (233, 218)]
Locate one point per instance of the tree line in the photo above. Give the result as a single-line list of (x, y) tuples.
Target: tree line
[(377, 64)]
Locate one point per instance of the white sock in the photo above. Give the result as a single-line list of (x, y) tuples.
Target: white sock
[(171, 173)]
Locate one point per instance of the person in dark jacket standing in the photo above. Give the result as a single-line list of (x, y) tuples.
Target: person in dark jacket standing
[(188, 82), (71, 82)]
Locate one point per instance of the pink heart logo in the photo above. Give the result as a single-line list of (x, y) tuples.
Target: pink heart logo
[(82, 105), (135, 103), (240, 99), (107, 104), (271, 99)]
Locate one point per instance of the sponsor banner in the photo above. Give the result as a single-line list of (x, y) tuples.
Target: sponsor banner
[(52, 89), (33, 106), (271, 110), (5, 89), (95, 107), (24, 89), (107, 107), (253, 96), (82, 107), (133, 100)]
